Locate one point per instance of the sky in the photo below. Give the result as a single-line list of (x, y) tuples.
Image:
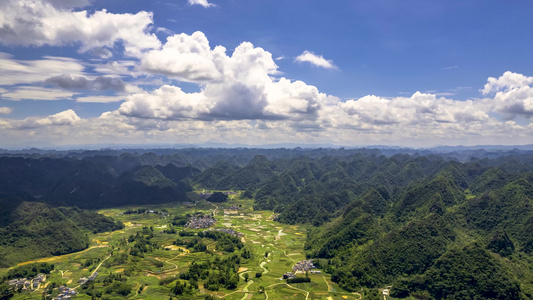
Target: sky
[(349, 73)]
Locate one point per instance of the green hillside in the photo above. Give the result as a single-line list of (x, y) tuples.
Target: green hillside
[(37, 230)]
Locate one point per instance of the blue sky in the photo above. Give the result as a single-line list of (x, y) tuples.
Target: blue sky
[(409, 73)]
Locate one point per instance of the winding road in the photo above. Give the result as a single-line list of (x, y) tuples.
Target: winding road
[(214, 210), (95, 270)]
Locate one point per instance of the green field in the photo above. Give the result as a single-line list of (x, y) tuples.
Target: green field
[(275, 248)]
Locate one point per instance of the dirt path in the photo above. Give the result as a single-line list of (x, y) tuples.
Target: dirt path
[(95, 270), (284, 283), (262, 265), (214, 210), (100, 264), (136, 289), (329, 287), (285, 252), (167, 261), (306, 292)]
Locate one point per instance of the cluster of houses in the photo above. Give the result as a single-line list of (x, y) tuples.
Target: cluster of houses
[(274, 217), (201, 222), (65, 293), (207, 195), (27, 284), (84, 280), (289, 275), (233, 207), (303, 266)]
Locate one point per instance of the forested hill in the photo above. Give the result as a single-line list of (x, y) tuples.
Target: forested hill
[(93, 182), (432, 225), (30, 230)]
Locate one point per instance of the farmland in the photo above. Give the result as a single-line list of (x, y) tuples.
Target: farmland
[(272, 247)]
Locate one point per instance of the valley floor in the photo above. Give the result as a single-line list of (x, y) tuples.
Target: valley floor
[(276, 248)]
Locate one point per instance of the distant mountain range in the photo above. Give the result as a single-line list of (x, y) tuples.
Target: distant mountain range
[(440, 149)]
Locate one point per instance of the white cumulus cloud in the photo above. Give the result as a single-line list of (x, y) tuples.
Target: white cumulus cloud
[(203, 3), (36, 22), (507, 81), (186, 57), (315, 60), (236, 87), (64, 118), (514, 95)]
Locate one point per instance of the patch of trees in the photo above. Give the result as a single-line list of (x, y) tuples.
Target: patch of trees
[(216, 273), (298, 280), (183, 288), (187, 233), (142, 242), (225, 242), (180, 220), (170, 230), (247, 253), (112, 284), (194, 244), (218, 197)]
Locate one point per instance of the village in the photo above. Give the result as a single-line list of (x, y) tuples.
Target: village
[(205, 195), (201, 222), (66, 293), (24, 284), (303, 266)]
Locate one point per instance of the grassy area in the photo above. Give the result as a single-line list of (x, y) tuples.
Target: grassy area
[(275, 248)]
